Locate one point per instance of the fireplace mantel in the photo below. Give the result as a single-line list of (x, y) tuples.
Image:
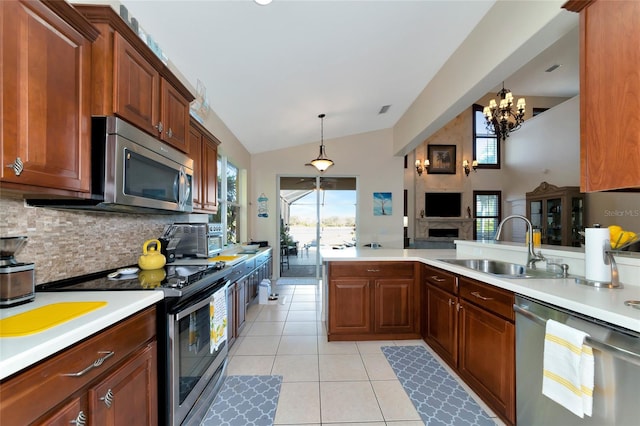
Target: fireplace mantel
[(463, 225)]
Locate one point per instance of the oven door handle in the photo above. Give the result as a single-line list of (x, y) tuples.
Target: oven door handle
[(198, 305)]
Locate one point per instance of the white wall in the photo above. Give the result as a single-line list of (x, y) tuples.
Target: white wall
[(546, 148), (367, 156)]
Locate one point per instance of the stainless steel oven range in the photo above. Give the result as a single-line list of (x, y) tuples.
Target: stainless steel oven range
[(192, 339)]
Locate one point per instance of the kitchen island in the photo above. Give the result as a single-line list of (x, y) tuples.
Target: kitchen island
[(467, 317), (603, 304)]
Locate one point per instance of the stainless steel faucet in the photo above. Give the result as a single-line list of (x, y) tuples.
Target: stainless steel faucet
[(532, 257)]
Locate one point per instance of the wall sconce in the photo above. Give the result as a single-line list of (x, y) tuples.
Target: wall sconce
[(467, 169), (421, 167)]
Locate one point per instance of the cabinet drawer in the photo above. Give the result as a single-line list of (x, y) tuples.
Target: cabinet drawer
[(29, 395), (491, 298), (441, 279), (371, 269)]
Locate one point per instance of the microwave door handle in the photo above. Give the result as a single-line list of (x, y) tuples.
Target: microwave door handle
[(186, 186)]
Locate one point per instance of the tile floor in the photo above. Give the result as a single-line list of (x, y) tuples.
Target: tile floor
[(323, 382)]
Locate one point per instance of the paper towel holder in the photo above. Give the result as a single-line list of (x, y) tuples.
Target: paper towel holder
[(615, 277)]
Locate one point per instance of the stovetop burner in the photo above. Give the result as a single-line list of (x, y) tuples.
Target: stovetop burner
[(169, 279)]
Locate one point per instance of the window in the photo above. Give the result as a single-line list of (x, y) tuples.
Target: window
[(486, 148), (487, 214), (228, 200)]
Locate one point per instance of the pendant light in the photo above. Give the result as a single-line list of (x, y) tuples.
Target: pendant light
[(321, 163)]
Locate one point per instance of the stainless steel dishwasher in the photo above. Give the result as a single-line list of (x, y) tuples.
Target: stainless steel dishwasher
[(616, 396)]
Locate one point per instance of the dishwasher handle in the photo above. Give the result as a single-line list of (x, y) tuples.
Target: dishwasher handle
[(621, 353)]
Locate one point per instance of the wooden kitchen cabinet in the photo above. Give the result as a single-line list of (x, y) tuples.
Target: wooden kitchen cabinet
[(232, 332), (441, 313), (44, 87), (471, 326), (130, 81), (486, 354), (609, 90), (203, 149), (373, 300), (69, 386), (558, 212)]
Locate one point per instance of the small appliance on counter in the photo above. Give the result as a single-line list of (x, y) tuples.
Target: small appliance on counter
[(184, 240), (17, 280)]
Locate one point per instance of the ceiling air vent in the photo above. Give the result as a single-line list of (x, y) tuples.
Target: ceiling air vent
[(552, 68), (384, 109)]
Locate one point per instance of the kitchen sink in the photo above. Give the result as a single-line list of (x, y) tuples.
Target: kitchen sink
[(502, 269)]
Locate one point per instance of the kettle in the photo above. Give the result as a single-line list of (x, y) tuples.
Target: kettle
[(151, 257)]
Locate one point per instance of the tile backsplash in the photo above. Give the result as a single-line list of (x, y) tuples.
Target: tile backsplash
[(65, 243)]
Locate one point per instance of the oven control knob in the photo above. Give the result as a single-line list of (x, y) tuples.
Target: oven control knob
[(175, 283)]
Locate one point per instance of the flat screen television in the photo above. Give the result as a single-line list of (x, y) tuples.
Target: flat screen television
[(442, 204)]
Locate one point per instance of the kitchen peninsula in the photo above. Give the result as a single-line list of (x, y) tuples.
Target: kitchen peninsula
[(604, 304), (469, 318)]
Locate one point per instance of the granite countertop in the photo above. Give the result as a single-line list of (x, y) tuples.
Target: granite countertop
[(17, 353), (604, 304)]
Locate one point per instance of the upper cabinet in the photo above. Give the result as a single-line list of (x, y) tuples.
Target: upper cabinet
[(45, 51), (609, 91), (203, 149), (130, 81)]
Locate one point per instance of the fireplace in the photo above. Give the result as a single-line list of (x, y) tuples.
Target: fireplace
[(444, 233)]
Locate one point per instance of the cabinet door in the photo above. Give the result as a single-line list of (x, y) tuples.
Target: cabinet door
[(487, 357), (175, 116), (209, 174), (609, 58), (128, 396), (73, 412), (195, 152), (44, 87), (232, 331), (241, 305), (394, 306), (349, 306), (136, 87), (442, 323)]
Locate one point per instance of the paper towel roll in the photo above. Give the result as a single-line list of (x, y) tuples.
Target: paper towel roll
[(596, 240)]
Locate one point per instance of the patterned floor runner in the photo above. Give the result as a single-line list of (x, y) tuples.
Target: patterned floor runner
[(245, 401), (439, 399)]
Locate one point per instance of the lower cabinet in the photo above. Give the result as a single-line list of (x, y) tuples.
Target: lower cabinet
[(373, 300), (471, 326), (108, 379), (243, 290)]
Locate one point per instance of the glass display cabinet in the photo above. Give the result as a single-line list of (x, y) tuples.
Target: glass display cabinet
[(558, 212)]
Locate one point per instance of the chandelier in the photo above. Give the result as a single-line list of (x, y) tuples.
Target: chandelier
[(322, 163), (501, 119)]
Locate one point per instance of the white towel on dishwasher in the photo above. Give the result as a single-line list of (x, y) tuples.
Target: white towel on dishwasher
[(568, 368)]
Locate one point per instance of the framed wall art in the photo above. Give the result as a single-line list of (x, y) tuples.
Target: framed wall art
[(382, 204), (442, 159)]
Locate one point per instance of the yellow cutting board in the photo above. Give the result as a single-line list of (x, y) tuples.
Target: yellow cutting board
[(224, 258), (44, 317)]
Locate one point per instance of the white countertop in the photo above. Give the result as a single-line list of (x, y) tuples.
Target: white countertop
[(17, 353), (604, 304)]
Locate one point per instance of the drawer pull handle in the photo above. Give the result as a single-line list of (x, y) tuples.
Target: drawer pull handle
[(437, 278), (373, 270), (81, 420), (97, 363), (108, 398), (479, 296), (451, 302), (17, 166), (170, 133)]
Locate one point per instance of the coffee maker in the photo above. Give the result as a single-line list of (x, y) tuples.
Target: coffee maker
[(17, 280)]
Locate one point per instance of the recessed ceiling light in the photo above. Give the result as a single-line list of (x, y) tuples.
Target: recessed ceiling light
[(262, 2), (553, 68), (384, 109)]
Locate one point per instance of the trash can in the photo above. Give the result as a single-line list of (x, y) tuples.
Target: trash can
[(264, 289)]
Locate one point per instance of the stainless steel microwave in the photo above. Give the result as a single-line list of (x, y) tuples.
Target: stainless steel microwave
[(131, 171)]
